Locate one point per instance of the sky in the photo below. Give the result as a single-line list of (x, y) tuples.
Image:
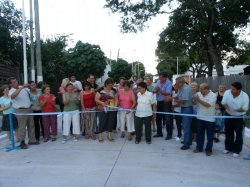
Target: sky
[(89, 22)]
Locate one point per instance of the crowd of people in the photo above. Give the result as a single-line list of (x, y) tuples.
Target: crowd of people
[(130, 106)]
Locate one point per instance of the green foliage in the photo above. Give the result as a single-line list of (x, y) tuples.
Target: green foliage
[(53, 58), (242, 54), (120, 68), (10, 34), (85, 59), (203, 32)]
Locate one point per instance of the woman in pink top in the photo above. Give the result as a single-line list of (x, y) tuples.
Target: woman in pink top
[(126, 99)]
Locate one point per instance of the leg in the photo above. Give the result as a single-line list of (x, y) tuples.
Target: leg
[(169, 119), (31, 128), (66, 124), (37, 126), (147, 122), (210, 134), (138, 128), (178, 125), (103, 116), (159, 118), (200, 134), (76, 123), (122, 120), (53, 125), (229, 133), (46, 127), (186, 121), (238, 127)]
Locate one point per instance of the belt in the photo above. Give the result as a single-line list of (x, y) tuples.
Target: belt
[(23, 108)]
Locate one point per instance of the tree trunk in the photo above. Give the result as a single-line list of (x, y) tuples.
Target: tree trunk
[(212, 51)]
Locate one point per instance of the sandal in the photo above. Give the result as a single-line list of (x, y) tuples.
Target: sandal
[(123, 135), (129, 137), (109, 138), (137, 141), (100, 140)]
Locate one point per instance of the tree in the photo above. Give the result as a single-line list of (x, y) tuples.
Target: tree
[(54, 54), (194, 24), (120, 68), (10, 34), (85, 59), (242, 54)]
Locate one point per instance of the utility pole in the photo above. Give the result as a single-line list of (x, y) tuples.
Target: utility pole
[(38, 43), (25, 69), (32, 57)]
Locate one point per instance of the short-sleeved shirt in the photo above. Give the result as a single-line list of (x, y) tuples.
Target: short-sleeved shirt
[(210, 98), (6, 102), (185, 94), (72, 105), (107, 97), (49, 106), (144, 104), (166, 87), (22, 100), (235, 103), (34, 98)]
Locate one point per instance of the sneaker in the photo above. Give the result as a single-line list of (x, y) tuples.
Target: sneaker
[(177, 139), (247, 158), (23, 145), (64, 141), (148, 142), (75, 140), (157, 136), (235, 155), (225, 151)]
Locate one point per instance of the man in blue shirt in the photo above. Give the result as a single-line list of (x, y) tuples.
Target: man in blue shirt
[(163, 89)]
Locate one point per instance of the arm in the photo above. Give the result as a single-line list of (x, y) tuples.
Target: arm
[(15, 93), (198, 100), (97, 99), (81, 99), (43, 101), (133, 100), (65, 100)]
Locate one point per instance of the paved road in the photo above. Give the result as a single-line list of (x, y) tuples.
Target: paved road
[(88, 163)]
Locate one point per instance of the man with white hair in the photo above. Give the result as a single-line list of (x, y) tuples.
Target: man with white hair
[(205, 100)]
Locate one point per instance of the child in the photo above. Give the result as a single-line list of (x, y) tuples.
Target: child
[(6, 106), (217, 123)]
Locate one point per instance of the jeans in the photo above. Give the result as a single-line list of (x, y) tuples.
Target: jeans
[(234, 134), (186, 122), (164, 107), (178, 124), (203, 126)]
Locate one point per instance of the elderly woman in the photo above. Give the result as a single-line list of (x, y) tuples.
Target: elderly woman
[(106, 99), (47, 102), (126, 100), (88, 119), (145, 102), (71, 101)]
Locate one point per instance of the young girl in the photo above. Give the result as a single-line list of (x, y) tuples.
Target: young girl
[(6, 106)]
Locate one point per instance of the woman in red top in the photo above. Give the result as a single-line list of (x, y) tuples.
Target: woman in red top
[(88, 119), (47, 102)]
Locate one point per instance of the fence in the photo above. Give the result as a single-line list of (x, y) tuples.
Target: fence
[(227, 80)]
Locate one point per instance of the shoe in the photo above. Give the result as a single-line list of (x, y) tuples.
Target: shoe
[(132, 133), (123, 135), (75, 139), (197, 151), (154, 130), (64, 141), (168, 138), (109, 138), (100, 139), (208, 153), (148, 142), (184, 147), (225, 151), (34, 143), (216, 140), (235, 155), (247, 158), (46, 140), (157, 136), (177, 139), (129, 137), (23, 145), (53, 139), (137, 141)]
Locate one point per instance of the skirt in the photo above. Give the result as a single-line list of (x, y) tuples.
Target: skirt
[(6, 122)]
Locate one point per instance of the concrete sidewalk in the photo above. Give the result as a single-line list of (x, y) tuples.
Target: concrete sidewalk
[(88, 163)]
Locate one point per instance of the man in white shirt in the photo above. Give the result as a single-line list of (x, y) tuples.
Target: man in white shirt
[(22, 104), (236, 103), (205, 100), (77, 84)]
